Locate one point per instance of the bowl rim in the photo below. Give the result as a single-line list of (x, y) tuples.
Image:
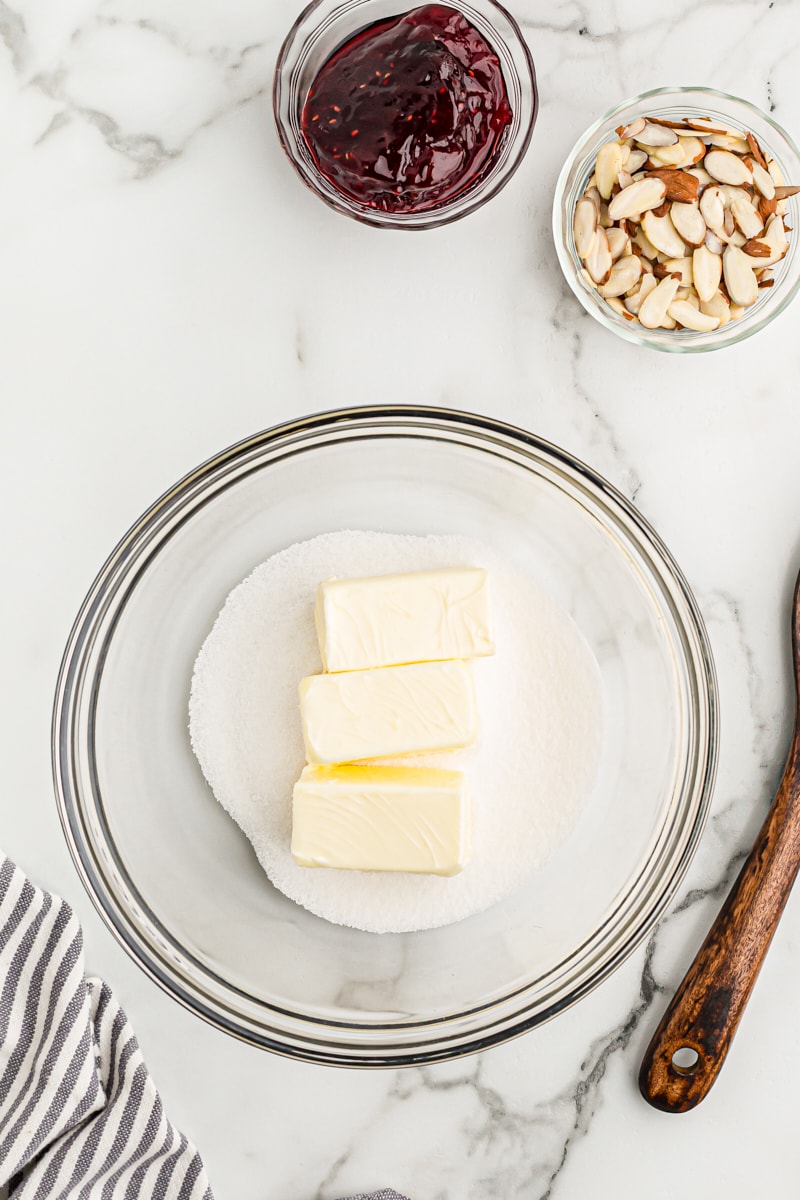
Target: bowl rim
[(630, 331), (439, 1046), (473, 198)]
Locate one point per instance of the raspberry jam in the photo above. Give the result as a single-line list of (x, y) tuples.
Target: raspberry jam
[(409, 112)]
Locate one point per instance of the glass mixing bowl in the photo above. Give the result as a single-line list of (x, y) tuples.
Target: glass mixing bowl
[(676, 104), (177, 881), (324, 26)]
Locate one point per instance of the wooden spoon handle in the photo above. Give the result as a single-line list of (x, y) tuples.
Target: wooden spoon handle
[(702, 1019)]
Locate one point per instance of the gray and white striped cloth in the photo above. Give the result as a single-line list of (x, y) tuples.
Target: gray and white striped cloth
[(80, 1118)]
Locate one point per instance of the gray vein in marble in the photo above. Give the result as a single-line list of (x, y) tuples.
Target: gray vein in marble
[(571, 1109), (759, 722), (569, 325), (718, 890), (225, 56), (13, 35), (146, 151)]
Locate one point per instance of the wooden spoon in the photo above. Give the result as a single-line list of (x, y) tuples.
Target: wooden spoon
[(690, 1045)]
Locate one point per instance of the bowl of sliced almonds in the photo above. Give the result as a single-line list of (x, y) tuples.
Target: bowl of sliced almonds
[(675, 219)]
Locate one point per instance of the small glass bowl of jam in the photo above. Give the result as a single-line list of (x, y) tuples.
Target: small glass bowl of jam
[(405, 118)]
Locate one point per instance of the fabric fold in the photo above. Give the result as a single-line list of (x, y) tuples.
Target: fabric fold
[(80, 1117)]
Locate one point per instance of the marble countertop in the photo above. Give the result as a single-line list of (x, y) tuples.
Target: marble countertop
[(167, 286)]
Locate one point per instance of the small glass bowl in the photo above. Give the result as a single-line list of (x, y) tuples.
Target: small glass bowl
[(675, 104), (325, 25)]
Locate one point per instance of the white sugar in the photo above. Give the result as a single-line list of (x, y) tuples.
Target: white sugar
[(540, 703)]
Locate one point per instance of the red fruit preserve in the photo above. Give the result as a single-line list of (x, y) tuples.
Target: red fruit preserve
[(408, 113)]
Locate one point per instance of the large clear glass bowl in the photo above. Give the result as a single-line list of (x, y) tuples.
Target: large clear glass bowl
[(676, 104), (177, 881)]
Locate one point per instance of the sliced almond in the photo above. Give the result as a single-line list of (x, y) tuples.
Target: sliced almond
[(592, 194), (747, 218), (776, 173), (662, 234), (705, 125), (618, 242), (656, 135), (689, 295), (607, 168), (737, 311), (728, 141), (689, 223), (617, 305), (669, 124), (598, 261), (756, 151), (729, 225), (717, 306), (666, 156), (634, 302), (645, 245), (668, 323), (726, 167), (763, 181), (655, 306), (680, 185), (638, 198), (714, 243), (783, 193), (706, 272), (688, 316), (584, 227), (740, 280), (775, 236), (624, 274), (757, 249), (682, 267), (712, 207), (766, 207), (624, 179), (731, 193), (636, 160), (693, 149), (634, 129), (701, 175)]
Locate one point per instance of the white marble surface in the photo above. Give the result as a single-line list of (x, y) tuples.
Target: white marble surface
[(166, 287)]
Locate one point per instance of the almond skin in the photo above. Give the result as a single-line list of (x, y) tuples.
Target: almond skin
[(680, 185), (756, 249)]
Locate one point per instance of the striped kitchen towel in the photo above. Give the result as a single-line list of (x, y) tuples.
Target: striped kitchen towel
[(80, 1118)]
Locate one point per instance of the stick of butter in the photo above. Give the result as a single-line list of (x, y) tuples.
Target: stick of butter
[(381, 819), (388, 711), (422, 616)]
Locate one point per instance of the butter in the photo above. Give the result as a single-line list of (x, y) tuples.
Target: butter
[(363, 818), (383, 620), (388, 711)]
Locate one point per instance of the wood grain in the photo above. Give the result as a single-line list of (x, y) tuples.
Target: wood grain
[(708, 1005)]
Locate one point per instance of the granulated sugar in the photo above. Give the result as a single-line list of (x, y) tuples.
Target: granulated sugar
[(540, 705)]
